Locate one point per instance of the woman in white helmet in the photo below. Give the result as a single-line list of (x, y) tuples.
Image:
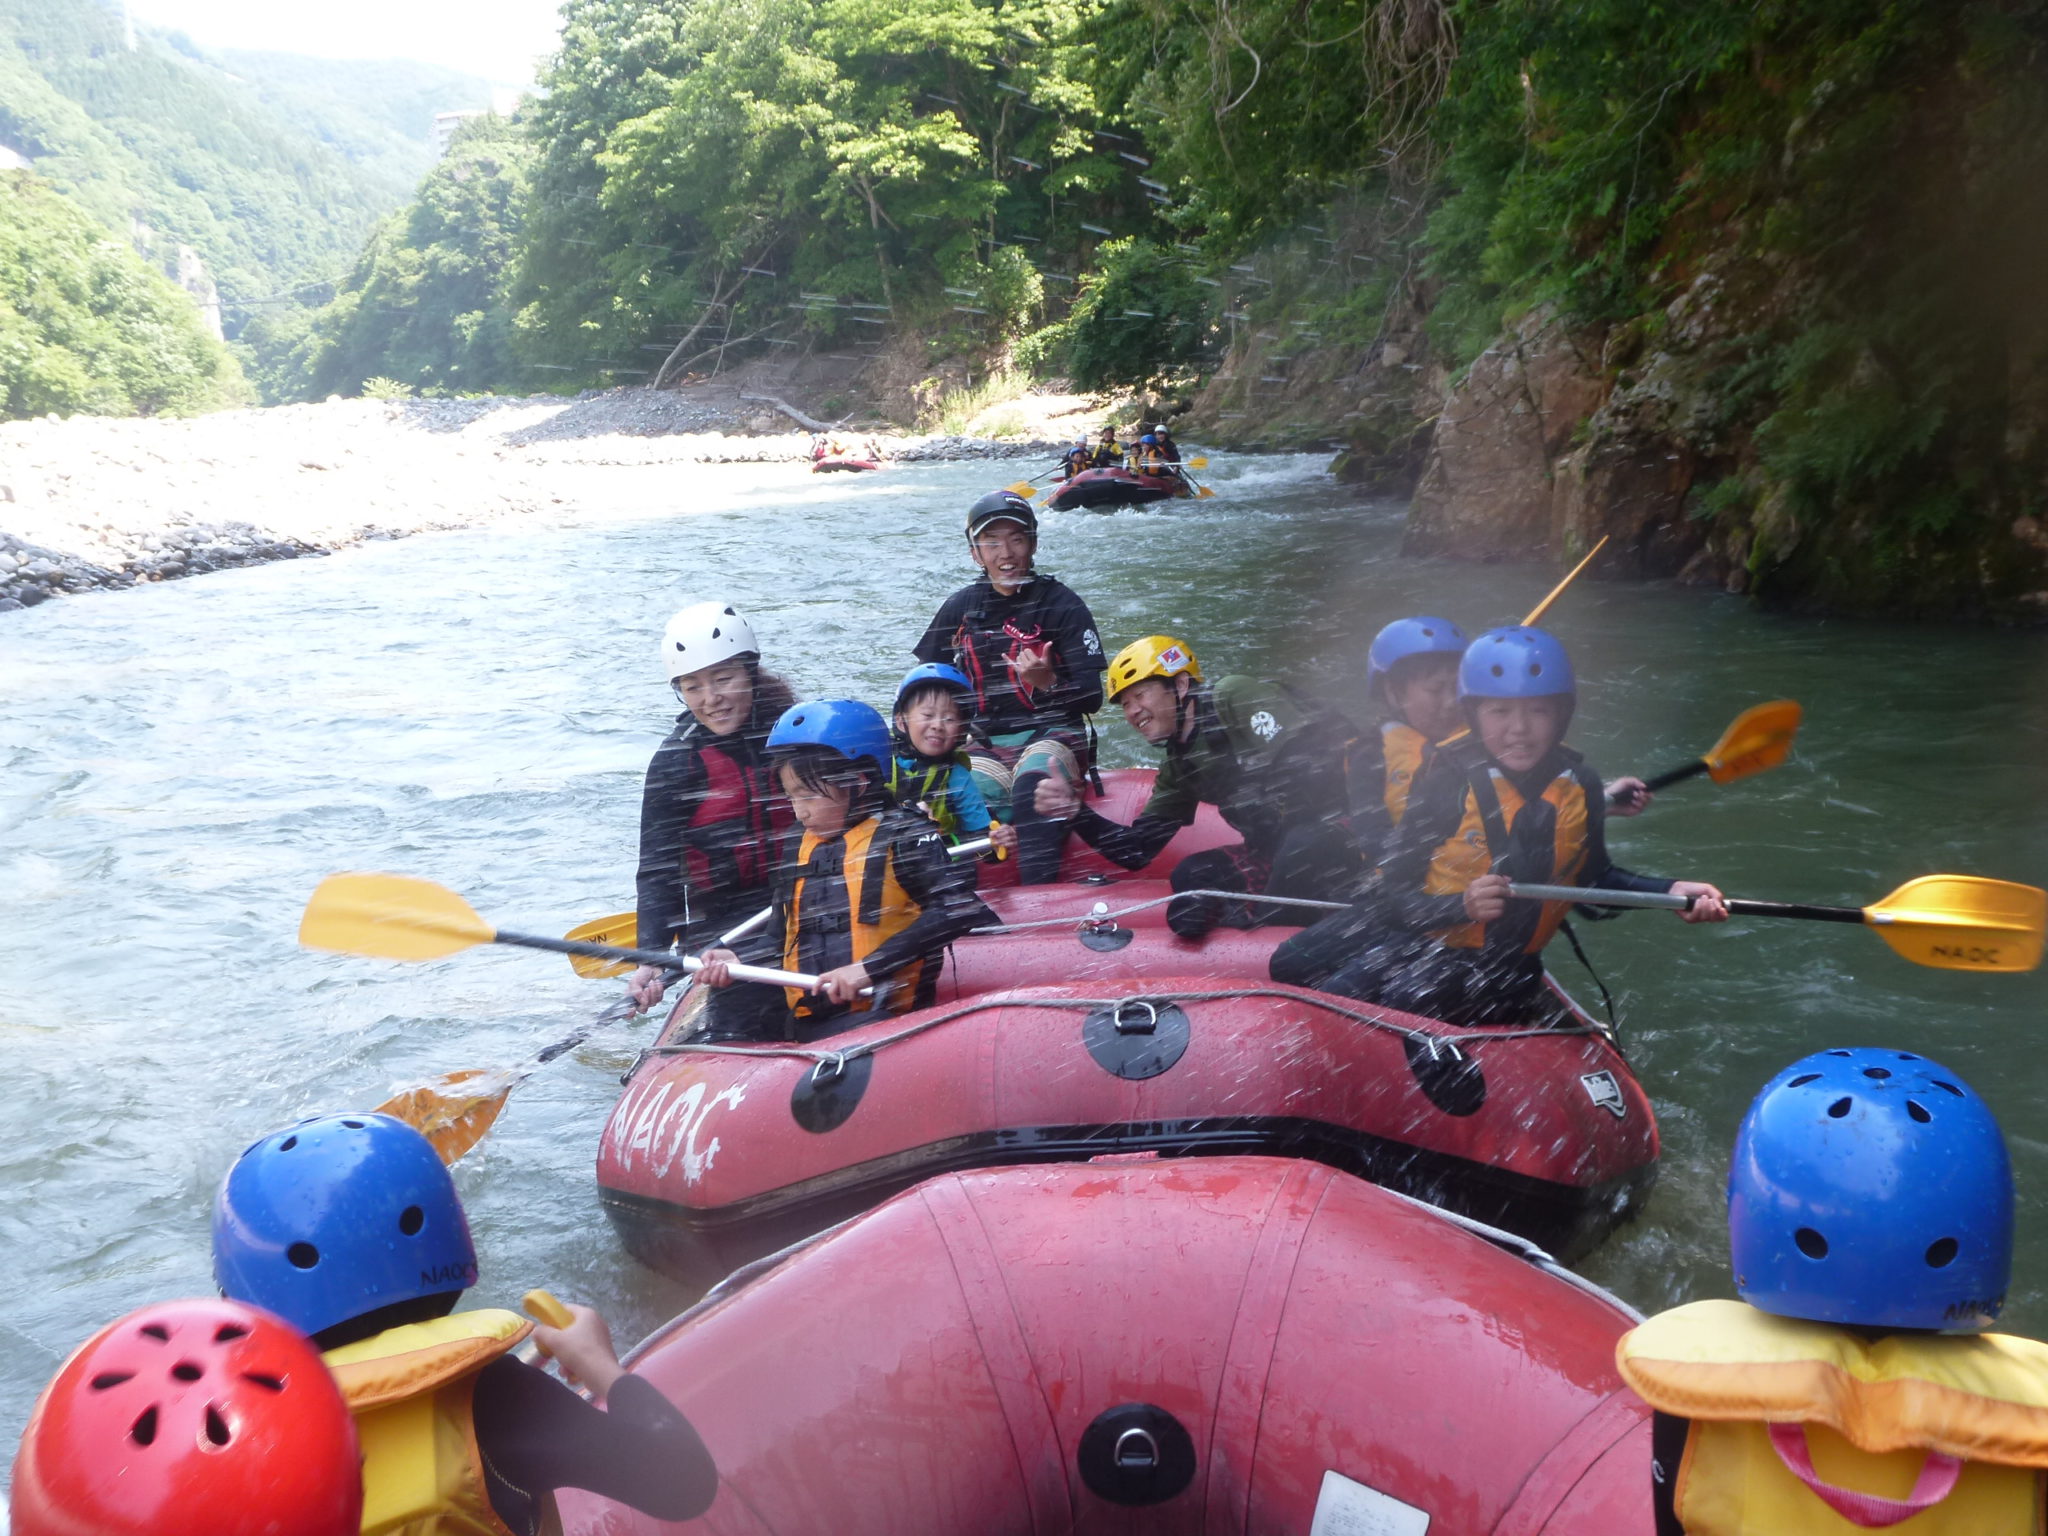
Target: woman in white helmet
[(711, 813)]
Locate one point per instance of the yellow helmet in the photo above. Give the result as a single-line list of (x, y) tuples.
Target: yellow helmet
[(1153, 656)]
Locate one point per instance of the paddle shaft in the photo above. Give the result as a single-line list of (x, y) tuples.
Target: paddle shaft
[(1665, 780), (1665, 901), (666, 960)]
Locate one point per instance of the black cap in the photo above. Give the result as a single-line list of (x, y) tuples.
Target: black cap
[(1001, 507)]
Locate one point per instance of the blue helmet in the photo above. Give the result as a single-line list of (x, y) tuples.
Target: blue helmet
[(1515, 662), (932, 672), (337, 1216), (847, 726), (1423, 635), (1148, 438), (1871, 1188)]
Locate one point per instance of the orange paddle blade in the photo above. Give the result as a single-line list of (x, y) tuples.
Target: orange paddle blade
[(456, 1111), (1759, 738), (1557, 591)]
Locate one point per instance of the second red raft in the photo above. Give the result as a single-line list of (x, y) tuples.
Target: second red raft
[(1222, 1347)]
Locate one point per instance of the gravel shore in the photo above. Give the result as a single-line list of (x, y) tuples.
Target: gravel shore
[(93, 503)]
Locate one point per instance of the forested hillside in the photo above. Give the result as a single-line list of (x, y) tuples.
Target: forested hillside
[(87, 326), (246, 175)]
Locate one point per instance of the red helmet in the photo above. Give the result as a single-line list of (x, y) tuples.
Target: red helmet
[(190, 1418)]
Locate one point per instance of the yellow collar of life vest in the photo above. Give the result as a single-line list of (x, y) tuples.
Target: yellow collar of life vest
[(1981, 1397), (418, 1357)]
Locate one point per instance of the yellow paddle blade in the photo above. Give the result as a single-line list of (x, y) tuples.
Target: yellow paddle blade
[(621, 930), (1196, 464), (1964, 923), (544, 1307), (1022, 488), (391, 916), (1204, 494), (456, 1111), (1759, 738)]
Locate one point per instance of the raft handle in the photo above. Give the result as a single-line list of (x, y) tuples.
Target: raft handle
[(1136, 1450), (1130, 1024)]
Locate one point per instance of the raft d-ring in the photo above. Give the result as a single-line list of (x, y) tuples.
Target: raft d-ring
[(1136, 1451), (829, 1067), (1447, 1047), (1128, 1023)]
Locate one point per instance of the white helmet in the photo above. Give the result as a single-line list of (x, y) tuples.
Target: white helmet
[(704, 634)]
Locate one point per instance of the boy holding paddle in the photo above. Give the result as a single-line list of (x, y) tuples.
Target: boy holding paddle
[(1507, 803)]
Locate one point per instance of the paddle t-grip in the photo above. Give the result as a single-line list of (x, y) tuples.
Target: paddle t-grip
[(544, 1307)]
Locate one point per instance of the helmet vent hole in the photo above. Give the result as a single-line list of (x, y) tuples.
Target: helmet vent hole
[(288, 1143), (411, 1219), (107, 1379), (1942, 1252), (1839, 1108), (1499, 670), (1880, 1073), (216, 1427), (1918, 1111), (1838, 1053), (1907, 1056), (1811, 1243), (302, 1255), (267, 1383), (227, 1333), (1949, 1088), (354, 1125), (158, 1332), (1803, 1079), (143, 1430), (185, 1370)]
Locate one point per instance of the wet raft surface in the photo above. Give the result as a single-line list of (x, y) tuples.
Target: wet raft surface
[(183, 763)]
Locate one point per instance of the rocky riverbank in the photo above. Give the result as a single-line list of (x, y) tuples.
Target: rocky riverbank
[(91, 503)]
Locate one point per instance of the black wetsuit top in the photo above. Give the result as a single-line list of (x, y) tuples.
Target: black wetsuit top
[(710, 814), (979, 630), (536, 1435)]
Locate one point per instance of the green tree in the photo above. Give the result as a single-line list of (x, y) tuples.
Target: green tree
[(425, 304), (86, 326), (1141, 317)]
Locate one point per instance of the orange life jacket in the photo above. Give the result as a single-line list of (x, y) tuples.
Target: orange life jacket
[(877, 906), (1493, 806)]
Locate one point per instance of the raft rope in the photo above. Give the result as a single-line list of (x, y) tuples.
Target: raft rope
[(1250, 898), (837, 1061)]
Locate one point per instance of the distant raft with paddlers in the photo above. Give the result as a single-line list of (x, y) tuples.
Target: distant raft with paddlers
[(834, 462), (718, 1152), (1115, 488), (1215, 1347)]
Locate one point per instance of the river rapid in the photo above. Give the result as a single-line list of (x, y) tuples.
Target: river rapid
[(183, 762)]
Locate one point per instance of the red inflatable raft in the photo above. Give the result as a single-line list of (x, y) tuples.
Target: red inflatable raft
[(716, 1154), (1223, 1347), (834, 461), (1114, 488)]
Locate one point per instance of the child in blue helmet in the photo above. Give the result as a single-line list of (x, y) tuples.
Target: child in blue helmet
[(929, 771), (1508, 802), (1870, 1216), (348, 1227), (1076, 459), (867, 901)]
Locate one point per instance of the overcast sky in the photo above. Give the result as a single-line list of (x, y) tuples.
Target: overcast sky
[(499, 39)]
